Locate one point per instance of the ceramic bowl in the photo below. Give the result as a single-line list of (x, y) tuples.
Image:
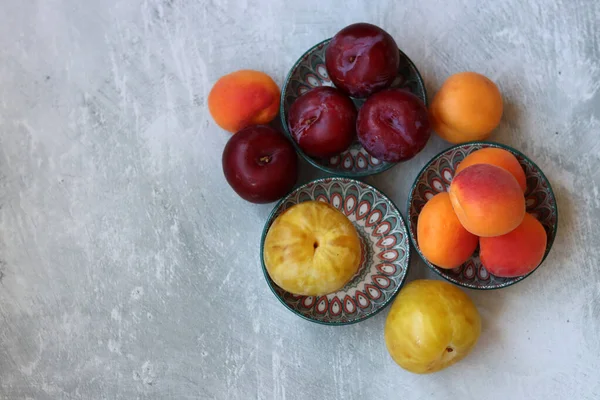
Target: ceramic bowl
[(436, 176), (310, 72), (385, 252)]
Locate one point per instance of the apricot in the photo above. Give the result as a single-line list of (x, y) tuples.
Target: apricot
[(467, 107), (243, 98), (487, 200), (498, 157), (516, 253), (441, 237)]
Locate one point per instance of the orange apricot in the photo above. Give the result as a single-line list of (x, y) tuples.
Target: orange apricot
[(441, 237), (243, 98), (487, 200), (467, 107), (516, 253), (498, 157)]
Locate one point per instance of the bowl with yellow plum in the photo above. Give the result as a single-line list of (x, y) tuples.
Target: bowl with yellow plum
[(335, 251)]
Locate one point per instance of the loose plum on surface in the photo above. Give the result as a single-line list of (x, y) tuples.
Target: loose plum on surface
[(362, 59), (431, 325), (323, 122), (260, 164), (393, 125)]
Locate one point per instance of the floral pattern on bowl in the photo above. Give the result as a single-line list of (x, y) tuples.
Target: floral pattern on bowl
[(436, 176), (385, 252), (310, 72)]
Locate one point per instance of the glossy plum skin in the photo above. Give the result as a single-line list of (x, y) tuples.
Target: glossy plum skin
[(362, 59), (259, 164), (393, 125), (323, 122)]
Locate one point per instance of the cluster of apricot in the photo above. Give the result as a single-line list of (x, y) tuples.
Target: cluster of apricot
[(484, 206)]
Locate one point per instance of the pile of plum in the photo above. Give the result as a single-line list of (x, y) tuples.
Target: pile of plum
[(392, 124)]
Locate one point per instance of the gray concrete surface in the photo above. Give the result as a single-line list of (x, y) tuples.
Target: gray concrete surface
[(130, 270)]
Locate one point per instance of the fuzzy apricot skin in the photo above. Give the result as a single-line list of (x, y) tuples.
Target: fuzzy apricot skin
[(243, 98), (467, 107)]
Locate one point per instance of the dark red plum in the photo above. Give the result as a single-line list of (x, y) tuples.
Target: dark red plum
[(323, 122), (362, 59), (393, 125), (260, 164)]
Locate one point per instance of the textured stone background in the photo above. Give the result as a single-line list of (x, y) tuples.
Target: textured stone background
[(130, 270)]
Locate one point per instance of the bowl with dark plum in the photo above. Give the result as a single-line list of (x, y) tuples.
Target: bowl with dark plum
[(355, 105)]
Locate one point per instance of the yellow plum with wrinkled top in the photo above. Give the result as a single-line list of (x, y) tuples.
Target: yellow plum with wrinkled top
[(312, 249), (431, 325)]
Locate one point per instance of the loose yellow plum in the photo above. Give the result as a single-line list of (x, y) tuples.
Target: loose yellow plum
[(431, 325)]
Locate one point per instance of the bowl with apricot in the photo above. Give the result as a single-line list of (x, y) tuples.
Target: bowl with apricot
[(347, 157), (482, 215)]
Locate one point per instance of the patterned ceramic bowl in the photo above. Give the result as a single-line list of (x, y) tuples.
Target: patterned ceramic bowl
[(385, 252), (436, 176), (309, 72)]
